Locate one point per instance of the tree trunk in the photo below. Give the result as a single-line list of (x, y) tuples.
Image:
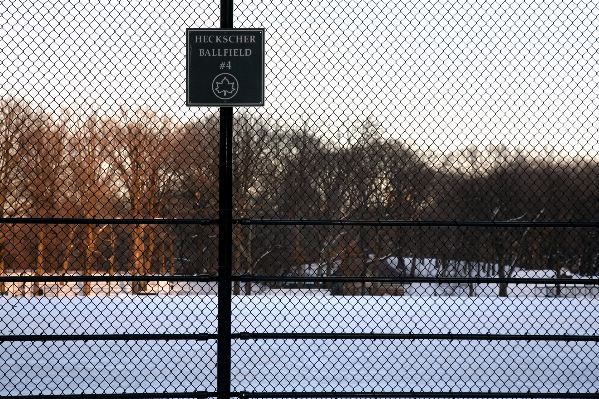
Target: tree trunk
[(236, 268), (318, 274), (2, 285), (162, 259), (237, 259), (376, 262), (89, 258), (248, 284), (138, 250), (68, 253), (39, 265), (502, 286), (299, 255), (470, 285), (413, 266), (2, 262), (172, 255), (150, 253), (111, 270)]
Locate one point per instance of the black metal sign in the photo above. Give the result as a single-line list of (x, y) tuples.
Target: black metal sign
[(225, 67)]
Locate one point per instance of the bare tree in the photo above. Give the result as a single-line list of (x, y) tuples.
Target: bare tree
[(139, 144), (17, 118), (254, 150), (87, 187), (42, 168), (192, 191)]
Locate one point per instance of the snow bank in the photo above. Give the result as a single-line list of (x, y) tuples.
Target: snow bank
[(283, 365)]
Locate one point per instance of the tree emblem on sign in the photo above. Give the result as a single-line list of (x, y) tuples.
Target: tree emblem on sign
[(225, 86)]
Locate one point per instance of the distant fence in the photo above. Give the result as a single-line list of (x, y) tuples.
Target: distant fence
[(414, 212)]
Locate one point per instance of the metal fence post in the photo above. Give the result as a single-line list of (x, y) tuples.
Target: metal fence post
[(225, 233)]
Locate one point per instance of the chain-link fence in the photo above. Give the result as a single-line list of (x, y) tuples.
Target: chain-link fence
[(413, 213)]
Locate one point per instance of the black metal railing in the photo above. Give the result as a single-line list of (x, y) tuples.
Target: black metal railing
[(413, 213)]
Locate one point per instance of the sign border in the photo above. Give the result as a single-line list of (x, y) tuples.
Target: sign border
[(187, 67)]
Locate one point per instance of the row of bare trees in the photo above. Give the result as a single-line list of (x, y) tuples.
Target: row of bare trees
[(86, 165), (140, 163)]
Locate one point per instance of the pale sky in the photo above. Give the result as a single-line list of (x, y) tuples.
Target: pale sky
[(442, 75)]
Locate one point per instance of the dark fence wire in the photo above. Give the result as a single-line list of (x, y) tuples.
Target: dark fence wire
[(155, 252)]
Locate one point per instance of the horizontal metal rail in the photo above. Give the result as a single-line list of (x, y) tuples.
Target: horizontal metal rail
[(108, 337), (71, 278), (417, 336), (301, 336), (332, 279), (57, 221), (309, 222), (414, 394), (456, 280), (415, 223), (340, 394), (124, 395)]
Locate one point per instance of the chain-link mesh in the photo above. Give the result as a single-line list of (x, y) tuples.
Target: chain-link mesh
[(415, 208)]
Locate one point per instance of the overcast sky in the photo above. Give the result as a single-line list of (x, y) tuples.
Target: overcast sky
[(439, 74)]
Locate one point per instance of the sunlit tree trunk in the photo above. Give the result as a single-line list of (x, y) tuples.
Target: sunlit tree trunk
[(90, 250), (149, 258), (68, 253), (151, 247), (39, 262), (162, 259), (111, 269), (2, 261), (138, 156), (138, 264), (17, 120), (172, 255)]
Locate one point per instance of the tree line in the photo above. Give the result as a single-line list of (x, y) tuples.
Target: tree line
[(141, 163)]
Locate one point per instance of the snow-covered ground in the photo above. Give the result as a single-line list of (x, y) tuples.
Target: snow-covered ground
[(31, 368), (103, 288), (421, 268)]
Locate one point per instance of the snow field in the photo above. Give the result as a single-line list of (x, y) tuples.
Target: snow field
[(31, 368)]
